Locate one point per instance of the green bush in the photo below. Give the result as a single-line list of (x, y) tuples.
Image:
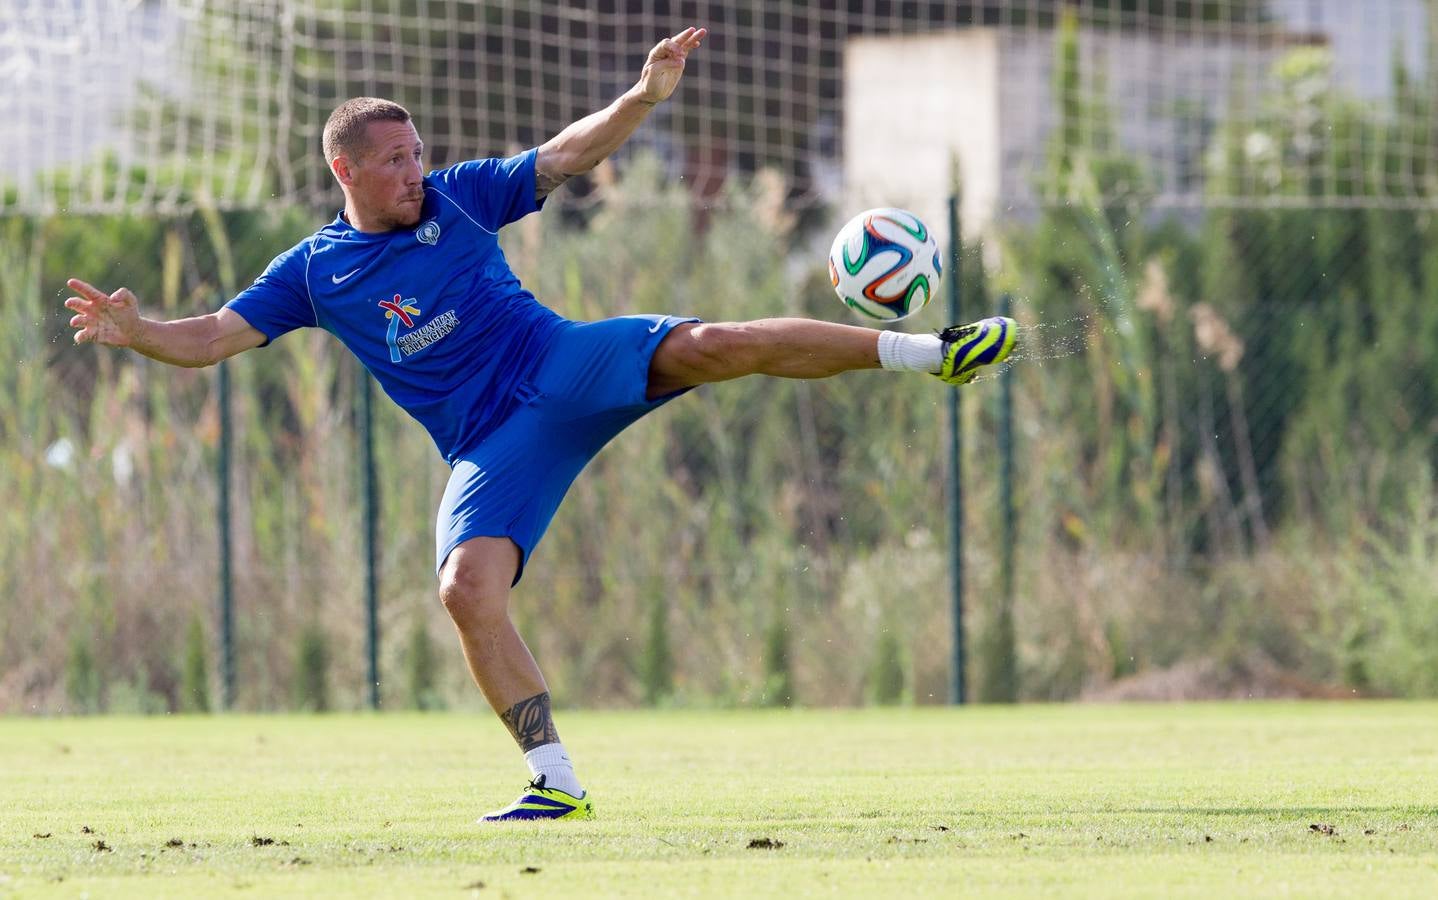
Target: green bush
[(82, 676), (886, 671), (312, 670), (656, 671), (195, 670), (778, 678), (421, 667)]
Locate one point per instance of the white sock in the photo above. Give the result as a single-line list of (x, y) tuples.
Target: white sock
[(910, 352), (551, 761)]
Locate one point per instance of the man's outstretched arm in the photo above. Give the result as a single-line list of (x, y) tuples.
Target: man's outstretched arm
[(583, 145), (115, 320)]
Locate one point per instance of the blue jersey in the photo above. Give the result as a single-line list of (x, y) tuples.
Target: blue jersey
[(433, 311)]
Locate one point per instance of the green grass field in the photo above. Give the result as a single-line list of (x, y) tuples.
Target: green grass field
[(1210, 800)]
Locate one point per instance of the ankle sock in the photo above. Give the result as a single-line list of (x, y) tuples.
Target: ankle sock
[(551, 761), (910, 352)]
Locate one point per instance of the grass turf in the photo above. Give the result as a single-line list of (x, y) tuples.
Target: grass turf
[(1251, 799)]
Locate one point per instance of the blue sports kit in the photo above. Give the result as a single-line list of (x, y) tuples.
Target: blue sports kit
[(517, 398)]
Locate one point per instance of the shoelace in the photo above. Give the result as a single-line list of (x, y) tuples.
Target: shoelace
[(957, 332)]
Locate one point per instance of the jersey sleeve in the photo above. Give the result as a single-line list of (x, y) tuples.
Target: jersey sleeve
[(494, 191), (279, 300)]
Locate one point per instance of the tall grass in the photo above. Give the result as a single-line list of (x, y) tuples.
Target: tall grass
[(751, 540)]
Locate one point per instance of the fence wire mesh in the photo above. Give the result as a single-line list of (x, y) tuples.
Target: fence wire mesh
[(1225, 414), (128, 106)]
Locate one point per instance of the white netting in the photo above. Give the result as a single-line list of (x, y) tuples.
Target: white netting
[(153, 106)]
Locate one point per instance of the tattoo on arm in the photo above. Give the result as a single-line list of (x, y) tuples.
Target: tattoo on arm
[(531, 723), (545, 183)]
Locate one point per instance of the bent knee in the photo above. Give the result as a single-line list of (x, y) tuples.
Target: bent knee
[(471, 595)]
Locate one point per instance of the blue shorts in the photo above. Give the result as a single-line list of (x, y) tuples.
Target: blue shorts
[(589, 385)]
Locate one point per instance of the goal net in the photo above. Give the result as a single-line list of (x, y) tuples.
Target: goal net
[(162, 105)]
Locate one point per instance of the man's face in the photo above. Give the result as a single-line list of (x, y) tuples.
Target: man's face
[(385, 179)]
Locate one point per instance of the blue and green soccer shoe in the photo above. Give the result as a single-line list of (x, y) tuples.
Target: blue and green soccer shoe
[(968, 348), (540, 802)]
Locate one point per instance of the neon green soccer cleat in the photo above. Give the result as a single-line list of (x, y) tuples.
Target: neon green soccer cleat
[(540, 802), (968, 348)]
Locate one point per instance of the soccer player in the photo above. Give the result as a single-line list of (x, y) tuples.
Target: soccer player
[(411, 279)]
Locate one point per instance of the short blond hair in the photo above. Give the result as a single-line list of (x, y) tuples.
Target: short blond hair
[(344, 132)]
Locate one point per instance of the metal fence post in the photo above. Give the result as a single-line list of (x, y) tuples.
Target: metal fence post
[(956, 469), (1007, 689), (371, 517), (226, 624)]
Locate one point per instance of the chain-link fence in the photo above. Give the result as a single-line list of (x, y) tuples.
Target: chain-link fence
[(180, 103), (1225, 414)]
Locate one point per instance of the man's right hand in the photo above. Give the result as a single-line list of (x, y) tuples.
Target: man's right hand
[(101, 318)]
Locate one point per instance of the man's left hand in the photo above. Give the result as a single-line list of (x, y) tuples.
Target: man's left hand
[(666, 63)]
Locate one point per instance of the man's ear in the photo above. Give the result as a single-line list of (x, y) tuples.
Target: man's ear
[(343, 170)]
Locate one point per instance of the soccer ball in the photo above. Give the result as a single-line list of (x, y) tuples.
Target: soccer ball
[(885, 264)]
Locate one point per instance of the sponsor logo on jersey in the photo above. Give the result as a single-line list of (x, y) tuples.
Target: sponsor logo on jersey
[(428, 233), (401, 310)]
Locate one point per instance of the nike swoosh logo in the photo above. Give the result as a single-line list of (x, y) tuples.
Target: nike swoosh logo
[(338, 278), (657, 325)]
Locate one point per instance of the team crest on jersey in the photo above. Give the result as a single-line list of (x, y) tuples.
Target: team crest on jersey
[(401, 310), (428, 233)]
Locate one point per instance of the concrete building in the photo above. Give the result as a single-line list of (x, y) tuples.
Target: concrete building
[(981, 100)]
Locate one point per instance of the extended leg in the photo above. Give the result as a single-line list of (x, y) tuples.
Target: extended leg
[(788, 348), (696, 354)]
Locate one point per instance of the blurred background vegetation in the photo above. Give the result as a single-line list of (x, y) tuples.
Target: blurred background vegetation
[(1227, 433)]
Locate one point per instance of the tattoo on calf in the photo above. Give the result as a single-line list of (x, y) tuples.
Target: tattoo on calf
[(530, 722), (544, 183)]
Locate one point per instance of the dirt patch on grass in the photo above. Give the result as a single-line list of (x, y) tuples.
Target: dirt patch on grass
[(1252, 677)]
